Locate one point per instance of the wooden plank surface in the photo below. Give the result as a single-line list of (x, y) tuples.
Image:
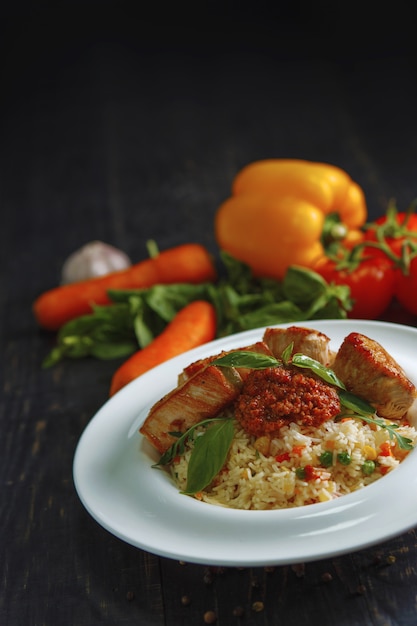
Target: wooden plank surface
[(115, 128)]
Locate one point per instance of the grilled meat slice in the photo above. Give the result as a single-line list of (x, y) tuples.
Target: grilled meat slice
[(203, 391), (204, 395), (190, 370), (310, 342), (368, 371)]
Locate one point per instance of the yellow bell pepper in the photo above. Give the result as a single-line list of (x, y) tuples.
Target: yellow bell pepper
[(278, 212)]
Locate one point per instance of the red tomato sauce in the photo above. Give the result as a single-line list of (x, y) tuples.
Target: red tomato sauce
[(273, 397)]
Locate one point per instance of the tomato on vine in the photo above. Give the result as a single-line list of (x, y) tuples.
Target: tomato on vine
[(371, 280), (406, 287), (394, 236), (394, 230)]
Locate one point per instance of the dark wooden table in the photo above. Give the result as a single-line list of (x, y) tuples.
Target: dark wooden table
[(124, 127)]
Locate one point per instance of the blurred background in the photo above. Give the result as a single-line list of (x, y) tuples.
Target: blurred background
[(143, 114)]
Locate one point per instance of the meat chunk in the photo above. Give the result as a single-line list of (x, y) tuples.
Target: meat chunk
[(203, 395), (203, 391), (368, 371), (312, 343)]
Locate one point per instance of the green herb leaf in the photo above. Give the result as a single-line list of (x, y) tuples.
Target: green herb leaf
[(112, 350), (55, 356), (287, 353), (178, 447), (244, 358), (354, 403), (333, 305), (271, 314), (107, 333), (144, 331), (209, 455), (238, 274), (325, 373), (301, 285)]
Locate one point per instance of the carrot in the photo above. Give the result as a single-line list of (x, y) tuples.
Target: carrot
[(192, 326), (187, 263)]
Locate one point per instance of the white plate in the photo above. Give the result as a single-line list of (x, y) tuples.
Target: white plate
[(140, 505)]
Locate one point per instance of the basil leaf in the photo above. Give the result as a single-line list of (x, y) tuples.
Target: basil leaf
[(113, 350), (209, 455), (178, 447), (239, 274), (244, 358), (144, 330), (354, 403), (106, 333), (287, 352), (301, 285), (271, 314), (167, 300), (331, 307), (164, 300), (325, 373)]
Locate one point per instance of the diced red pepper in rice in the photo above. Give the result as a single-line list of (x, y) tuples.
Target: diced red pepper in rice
[(385, 449)]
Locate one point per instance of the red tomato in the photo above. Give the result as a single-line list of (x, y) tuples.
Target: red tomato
[(406, 288), (371, 284), (395, 228)]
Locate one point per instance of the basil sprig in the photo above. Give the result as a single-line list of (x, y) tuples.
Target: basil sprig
[(208, 454)]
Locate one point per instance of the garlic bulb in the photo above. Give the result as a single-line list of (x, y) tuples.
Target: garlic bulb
[(94, 259)]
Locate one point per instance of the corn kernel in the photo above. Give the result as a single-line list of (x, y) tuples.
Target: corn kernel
[(262, 444), (370, 453), (324, 495)]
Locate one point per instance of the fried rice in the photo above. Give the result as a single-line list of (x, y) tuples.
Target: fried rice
[(303, 466)]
